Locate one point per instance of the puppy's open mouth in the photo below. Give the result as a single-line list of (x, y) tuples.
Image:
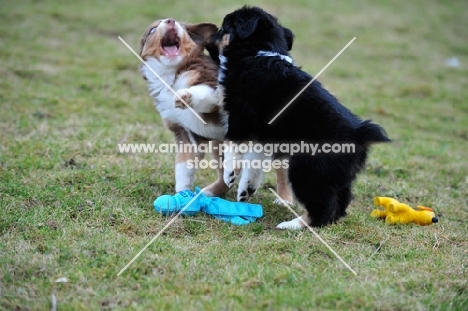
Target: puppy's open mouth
[(170, 44)]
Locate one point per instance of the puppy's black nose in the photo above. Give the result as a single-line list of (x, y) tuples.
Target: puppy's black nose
[(170, 21)]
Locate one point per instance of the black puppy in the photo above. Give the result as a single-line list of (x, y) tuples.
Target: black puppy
[(258, 78)]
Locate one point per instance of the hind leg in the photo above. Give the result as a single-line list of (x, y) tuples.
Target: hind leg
[(345, 197), (218, 187), (282, 186), (316, 181), (185, 173), (321, 204)]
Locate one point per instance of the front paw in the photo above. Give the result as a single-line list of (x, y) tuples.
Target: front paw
[(249, 183), (243, 195), (183, 100), (231, 175)]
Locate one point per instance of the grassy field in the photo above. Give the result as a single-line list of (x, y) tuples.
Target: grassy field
[(72, 206)]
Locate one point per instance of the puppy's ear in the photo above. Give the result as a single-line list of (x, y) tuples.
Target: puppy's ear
[(143, 39), (201, 33), (213, 50), (246, 26), (289, 36)]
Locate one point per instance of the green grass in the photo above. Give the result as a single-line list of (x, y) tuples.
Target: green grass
[(72, 206)]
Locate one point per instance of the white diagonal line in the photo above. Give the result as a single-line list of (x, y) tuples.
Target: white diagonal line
[(160, 232), (162, 80), (315, 78), (313, 231)]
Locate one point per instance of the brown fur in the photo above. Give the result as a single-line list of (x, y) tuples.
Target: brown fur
[(282, 185), (182, 137), (205, 70)]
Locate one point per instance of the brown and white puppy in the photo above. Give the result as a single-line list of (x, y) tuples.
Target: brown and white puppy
[(175, 52)]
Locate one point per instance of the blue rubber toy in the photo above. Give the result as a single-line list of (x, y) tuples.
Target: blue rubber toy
[(237, 213)]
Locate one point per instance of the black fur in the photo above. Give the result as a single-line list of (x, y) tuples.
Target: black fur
[(256, 88)]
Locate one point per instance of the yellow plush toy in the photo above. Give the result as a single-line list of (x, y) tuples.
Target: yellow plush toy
[(398, 213)]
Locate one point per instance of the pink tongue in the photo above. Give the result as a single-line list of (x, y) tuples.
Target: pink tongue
[(170, 50)]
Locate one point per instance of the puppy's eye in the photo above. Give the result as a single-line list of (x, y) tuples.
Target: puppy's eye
[(153, 30)]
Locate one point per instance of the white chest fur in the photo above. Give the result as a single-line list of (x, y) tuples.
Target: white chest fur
[(164, 99)]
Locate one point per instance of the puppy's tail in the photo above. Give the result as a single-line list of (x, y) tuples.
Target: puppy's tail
[(368, 133)]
